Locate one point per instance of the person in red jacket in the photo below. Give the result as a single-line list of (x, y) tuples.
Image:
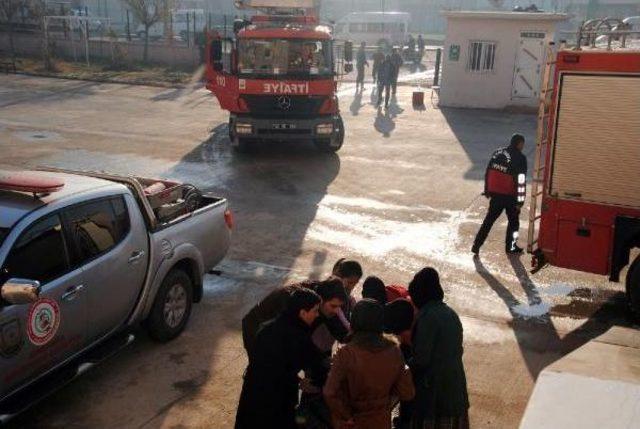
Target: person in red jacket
[(374, 288), (505, 186)]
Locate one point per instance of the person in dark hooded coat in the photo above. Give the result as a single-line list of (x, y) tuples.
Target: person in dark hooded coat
[(282, 349), (438, 372)]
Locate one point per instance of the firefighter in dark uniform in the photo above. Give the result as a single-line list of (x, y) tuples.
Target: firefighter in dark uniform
[(505, 186)]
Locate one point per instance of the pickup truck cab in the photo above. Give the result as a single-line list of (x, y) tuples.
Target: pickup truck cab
[(88, 258)]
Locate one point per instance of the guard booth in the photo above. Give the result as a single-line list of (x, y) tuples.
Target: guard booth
[(495, 59)]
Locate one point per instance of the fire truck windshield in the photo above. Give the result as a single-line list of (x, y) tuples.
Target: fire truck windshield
[(285, 57)]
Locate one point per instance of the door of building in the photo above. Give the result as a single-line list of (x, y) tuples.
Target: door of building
[(529, 64)]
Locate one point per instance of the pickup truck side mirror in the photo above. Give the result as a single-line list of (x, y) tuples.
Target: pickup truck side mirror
[(216, 54), (20, 291)]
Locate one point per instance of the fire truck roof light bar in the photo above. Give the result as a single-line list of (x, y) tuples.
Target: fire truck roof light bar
[(297, 19)]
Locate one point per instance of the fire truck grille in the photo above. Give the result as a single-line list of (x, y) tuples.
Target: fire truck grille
[(283, 106), (266, 131)]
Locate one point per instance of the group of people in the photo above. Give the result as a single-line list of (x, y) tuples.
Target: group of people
[(385, 71), (395, 346), (412, 43)]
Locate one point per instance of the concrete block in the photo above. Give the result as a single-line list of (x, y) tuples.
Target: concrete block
[(596, 386)]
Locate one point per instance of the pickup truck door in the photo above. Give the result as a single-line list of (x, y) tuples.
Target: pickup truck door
[(36, 337), (111, 245)]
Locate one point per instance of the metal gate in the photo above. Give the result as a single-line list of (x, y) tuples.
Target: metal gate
[(529, 63)]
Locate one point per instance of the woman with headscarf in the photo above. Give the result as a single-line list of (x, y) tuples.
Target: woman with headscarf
[(367, 373), (438, 372)]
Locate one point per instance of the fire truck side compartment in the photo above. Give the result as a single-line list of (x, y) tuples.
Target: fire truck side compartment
[(591, 207)]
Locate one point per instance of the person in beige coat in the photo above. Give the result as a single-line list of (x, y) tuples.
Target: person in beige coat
[(368, 374)]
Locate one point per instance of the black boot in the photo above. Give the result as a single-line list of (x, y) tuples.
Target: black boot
[(515, 250)]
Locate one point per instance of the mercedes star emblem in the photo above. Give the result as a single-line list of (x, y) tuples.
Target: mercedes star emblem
[(284, 102)]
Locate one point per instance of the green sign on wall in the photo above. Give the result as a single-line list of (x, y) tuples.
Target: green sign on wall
[(454, 52)]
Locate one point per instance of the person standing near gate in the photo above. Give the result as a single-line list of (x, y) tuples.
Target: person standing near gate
[(361, 62), (378, 58), (505, 186), (420, 48), (396, 60), (385, 80)]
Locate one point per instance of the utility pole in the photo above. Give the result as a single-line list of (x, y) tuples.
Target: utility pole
[(128, 27)]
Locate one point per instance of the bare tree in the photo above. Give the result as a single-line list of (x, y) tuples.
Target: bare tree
[(8, 10), (148, 13)]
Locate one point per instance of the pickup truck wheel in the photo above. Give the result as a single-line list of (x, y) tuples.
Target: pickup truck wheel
[(172, 307), (633, 289)]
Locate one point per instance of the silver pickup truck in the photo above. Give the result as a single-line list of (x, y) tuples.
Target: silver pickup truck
[(82, 264)]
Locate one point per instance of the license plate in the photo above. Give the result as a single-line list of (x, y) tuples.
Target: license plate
[(284, 126)]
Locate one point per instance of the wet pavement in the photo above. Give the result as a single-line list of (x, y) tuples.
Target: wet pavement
[(401, 194)]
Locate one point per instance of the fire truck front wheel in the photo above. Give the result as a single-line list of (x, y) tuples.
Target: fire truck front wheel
[(240, 145), (334, 144), (633, 289)]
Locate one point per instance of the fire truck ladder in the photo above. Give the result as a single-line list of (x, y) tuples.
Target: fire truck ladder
[(542, 144)]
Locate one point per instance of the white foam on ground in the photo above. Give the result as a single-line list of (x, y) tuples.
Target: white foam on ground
[(407, 245), (394, 192), (534, 310), (402, 165), (368, 203), (558, 289)]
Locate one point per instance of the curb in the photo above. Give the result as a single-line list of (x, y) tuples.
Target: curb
[(102, 80)]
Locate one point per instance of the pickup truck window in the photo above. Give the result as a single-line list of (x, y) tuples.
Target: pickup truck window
[(97, 227), (39, 254)]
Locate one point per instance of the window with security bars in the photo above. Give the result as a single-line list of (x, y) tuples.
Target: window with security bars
[(482, 56)]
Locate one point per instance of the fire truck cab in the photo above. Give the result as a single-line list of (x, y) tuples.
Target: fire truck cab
[(585, 203), (277, 77)]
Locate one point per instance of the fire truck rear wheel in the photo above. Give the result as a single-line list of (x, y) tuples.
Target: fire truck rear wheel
[(633, 289)]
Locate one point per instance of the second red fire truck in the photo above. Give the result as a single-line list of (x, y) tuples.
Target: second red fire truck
[(585, 204), (277, 77)]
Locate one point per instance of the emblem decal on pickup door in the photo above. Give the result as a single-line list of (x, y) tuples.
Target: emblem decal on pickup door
[(11, 339), (43, 319)]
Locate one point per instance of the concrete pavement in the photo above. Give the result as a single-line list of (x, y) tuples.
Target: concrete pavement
[(401, 194)]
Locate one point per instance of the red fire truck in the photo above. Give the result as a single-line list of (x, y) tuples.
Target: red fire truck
[(277, 76), (585, 204)]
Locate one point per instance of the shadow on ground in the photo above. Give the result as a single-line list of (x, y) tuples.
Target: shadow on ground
[(536, 340), (479, 133)]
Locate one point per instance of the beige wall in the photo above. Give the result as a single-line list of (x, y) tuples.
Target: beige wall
[(174, 55), (461, 88)]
